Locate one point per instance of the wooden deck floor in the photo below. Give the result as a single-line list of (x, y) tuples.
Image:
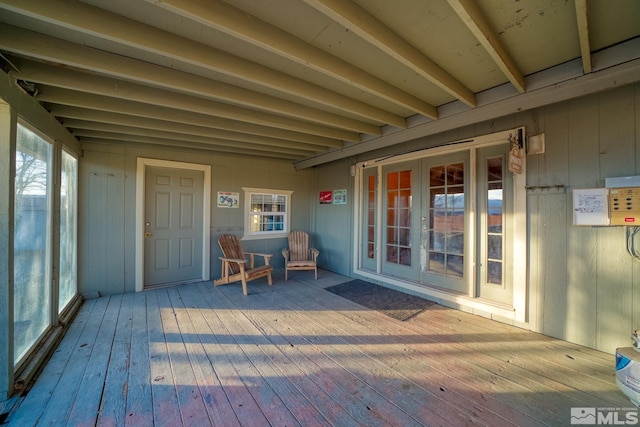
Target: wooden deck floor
[(295, 354)]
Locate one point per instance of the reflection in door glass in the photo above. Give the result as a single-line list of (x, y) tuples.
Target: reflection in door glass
[(399, 200), (371, 215), (494, 237), (446, 220)]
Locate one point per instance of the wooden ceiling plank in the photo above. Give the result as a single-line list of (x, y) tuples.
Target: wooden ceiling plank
[(57, 95), (109, 26), (368, 27), (582, 17), (470, 13), (232, 21), (37, 46), (63, 112), (91, 83)]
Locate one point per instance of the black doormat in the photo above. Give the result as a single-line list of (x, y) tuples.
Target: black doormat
[(393, 303)]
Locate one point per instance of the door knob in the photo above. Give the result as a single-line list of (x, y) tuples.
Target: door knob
[(147, 234)]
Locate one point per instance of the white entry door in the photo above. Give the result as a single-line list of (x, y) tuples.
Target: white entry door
[(173, 225)]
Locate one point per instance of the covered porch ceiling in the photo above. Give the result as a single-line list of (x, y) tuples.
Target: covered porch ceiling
[(307, 81)]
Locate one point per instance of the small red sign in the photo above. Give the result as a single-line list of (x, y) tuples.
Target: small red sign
[(629, 220)]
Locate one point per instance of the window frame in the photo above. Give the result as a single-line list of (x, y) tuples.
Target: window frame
[(63, 305), (50, 262), (251, 235)]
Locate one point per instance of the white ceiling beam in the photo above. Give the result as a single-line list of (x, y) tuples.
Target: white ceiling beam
[(94, 84), (358, 20), (82, 127), (211, 144), (63, 112), (97, 22), (159, 143), (239, 24), (470, 13), (60, 96), (582, 17), (44, 48)]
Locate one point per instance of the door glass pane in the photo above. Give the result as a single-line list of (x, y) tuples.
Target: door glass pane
[(446, 220), (455, 265), (68, 229), (399, 205), (455, 174), (494, 237), (32, 246), (371, 215)]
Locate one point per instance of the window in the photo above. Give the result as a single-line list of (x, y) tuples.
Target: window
[(68, 229), (32, 241), (495, 219), (267, 212)]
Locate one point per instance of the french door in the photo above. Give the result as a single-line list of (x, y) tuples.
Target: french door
[(443, 221)]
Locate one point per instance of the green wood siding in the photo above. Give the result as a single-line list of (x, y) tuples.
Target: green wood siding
[(583, 287), (107, 209)]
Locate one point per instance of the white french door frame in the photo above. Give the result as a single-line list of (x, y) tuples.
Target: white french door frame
[(468, 302), (141, 168)]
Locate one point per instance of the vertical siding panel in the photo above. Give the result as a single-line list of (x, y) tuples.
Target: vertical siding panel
[(613, 294), (553, 221), (557, 144), (104, 225), (536, 264), (115, 225), (554, 249), (614, 280), (96, 267), (582, 241)]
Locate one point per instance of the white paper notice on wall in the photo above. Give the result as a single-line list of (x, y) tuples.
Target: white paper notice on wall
[(591, 206)]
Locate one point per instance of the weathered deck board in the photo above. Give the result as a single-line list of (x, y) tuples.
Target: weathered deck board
[(300, 375), (137, 390), (113, 403), (392, 349), (84, 411), (294, 354), (194, 327), (166, 410), (65, 393)]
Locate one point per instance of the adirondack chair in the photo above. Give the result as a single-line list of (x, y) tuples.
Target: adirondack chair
[(298, 256), (236, 267)]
